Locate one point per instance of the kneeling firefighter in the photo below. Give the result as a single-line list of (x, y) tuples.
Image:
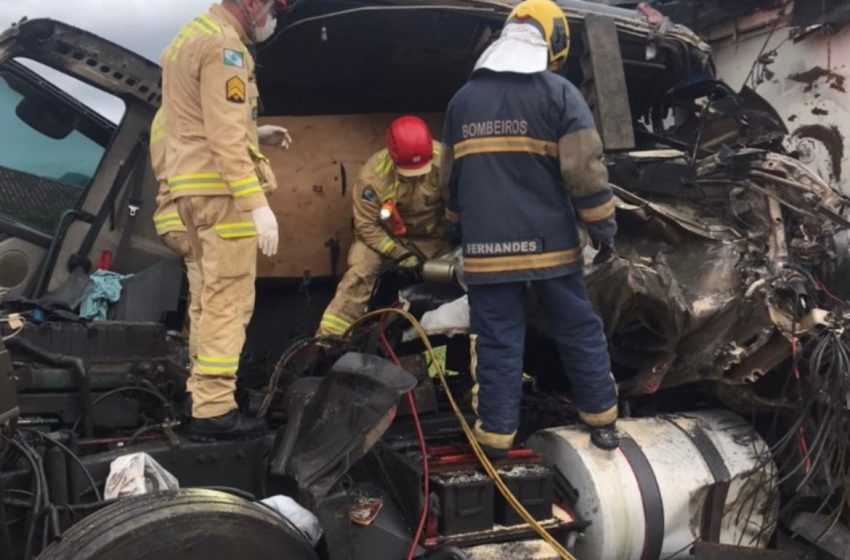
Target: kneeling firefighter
[(522, 163), (398, 216)]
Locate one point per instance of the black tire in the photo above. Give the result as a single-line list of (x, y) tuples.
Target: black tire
[(182, 525)]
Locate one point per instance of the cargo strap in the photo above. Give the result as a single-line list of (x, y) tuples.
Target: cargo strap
[(715, 501), (653, 507)]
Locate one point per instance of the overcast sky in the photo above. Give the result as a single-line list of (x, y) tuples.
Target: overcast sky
[(143, 26)]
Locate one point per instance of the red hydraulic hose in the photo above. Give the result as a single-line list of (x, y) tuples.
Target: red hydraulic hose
[(804, 445), (421, 436)]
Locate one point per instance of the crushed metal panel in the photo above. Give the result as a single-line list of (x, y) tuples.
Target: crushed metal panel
[(605, 83), (701, 288), (803, 76)]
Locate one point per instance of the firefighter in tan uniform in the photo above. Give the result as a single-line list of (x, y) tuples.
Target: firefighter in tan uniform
[(404, 177), (218, 179), (172, 231), (170, 227)]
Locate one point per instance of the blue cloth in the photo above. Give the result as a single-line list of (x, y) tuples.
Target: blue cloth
[(103, 288), (497, 314)]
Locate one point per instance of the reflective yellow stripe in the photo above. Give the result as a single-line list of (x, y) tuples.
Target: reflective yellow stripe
[(207, 25), (234, 225), (490, 439), (334, 323), (390, 191), (244, 187), (213, 360), (196, 185), (200, 27), (385, 247), (505, 144), (168, 224), (247, 192), (237, 235), (520, 262), (385, 164), (203, 175), (597, 419), (216, 366), (597, 213), (247, 181), (157, 127), (196, 181), (327, 326), (236, 230), (166, 217), (255, 151)]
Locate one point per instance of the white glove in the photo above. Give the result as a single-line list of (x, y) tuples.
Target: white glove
[(271, 135), (267, 234)]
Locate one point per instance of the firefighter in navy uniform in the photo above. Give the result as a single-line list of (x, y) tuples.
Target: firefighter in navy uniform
[(522, 163)]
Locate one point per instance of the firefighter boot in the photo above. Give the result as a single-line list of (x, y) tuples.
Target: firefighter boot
[(605, 437), (233, 425)]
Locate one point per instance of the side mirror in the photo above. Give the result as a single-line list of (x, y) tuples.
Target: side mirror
[(50, 119)]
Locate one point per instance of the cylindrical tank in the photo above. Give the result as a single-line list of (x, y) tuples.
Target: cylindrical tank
[(674, 480)]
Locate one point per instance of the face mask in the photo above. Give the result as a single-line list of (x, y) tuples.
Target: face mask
[(266, 31)]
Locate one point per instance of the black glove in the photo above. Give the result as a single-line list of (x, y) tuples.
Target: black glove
[(605, 252)]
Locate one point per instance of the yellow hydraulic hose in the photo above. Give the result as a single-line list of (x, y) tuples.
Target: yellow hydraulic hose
[(482, 458)]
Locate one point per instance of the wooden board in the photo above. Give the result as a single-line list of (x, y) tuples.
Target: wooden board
[(315, 179)]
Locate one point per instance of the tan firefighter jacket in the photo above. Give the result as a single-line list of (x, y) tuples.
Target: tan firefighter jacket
[(418, 199), (165, 218), (210, 112)]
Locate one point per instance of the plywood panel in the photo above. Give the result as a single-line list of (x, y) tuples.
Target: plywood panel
[(316, 177)]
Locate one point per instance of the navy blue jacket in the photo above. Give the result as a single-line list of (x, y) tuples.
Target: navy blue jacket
[(522, 163)]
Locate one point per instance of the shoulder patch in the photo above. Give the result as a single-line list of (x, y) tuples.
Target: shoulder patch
[(235, 90), (234, 58), (369, 195)]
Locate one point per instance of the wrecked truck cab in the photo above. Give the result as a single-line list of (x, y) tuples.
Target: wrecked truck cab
[(698, 290), (65, 196)]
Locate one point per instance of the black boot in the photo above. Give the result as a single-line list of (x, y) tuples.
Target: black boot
[(493, 453), (605, 437), (186, 407), (232, 425)]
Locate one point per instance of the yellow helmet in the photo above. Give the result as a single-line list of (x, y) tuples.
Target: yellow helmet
[(550, 20)]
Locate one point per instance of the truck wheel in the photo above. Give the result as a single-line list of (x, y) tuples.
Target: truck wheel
[(182, 525)]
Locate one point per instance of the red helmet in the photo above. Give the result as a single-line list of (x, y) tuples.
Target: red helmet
[(410, 146)]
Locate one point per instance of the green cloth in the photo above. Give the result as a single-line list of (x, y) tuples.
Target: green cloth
[(103, 288)]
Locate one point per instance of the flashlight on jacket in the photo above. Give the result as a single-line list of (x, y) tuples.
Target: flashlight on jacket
[(389, 215)]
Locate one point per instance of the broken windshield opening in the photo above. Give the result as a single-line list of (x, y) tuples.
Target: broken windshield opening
[(50, 149)]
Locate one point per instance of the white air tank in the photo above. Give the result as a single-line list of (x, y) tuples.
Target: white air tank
[(674, 480)]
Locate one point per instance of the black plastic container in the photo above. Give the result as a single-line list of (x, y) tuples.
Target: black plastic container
[(533, 487), (465, 502)]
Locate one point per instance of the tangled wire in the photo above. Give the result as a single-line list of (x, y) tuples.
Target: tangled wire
[(808, 440)]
